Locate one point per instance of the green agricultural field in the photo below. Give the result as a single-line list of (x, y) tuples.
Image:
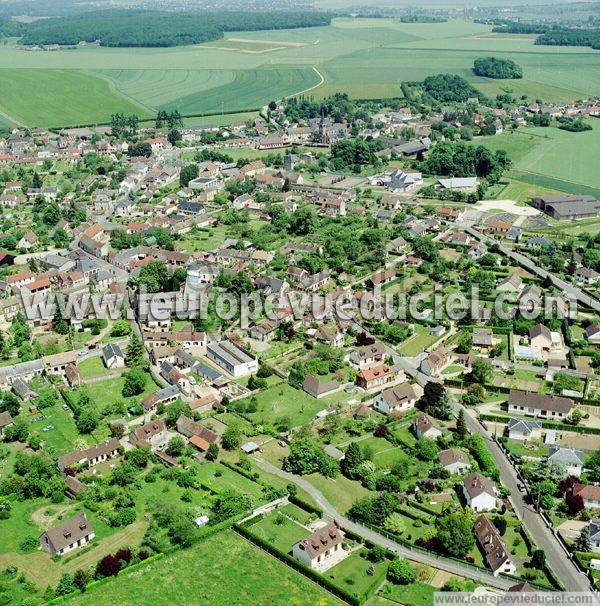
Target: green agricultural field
[(247, 90), (549, 158), (224, 569), (56, 97), (245, 70)]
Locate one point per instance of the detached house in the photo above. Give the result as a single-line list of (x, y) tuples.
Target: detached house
[(523, 430), (322, 549), (112, 356), (454, 461), (538, 405), (479, 493), (425, 427), (497, 556), (590, 495), (370, 378), (592, 334), (5, 421), (569, 458), (90, 456), (395, 400), (435, 362), (593, 531), (152, 433), (367, 355), (70, 535)]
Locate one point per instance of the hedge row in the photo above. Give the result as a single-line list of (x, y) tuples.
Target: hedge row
[(417, 505), (409, 512), (349, 598), (296, 500), (247, 474)]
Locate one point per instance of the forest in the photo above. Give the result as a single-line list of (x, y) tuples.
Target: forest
[(552, 35), (499, 69), (136, 28), (449, 88)]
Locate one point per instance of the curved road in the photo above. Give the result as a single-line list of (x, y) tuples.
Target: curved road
[(486, 578)]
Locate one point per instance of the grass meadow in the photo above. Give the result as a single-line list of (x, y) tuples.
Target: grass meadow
[(223, 569), (363, 57)]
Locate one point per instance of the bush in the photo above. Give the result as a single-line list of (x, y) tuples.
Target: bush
[(401, 572)]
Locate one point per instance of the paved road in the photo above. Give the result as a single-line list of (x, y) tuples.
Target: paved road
[(418, 556), (570, 289), (571, 578)]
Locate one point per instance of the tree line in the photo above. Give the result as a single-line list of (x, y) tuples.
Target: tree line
[(552, 35), (137, 28)]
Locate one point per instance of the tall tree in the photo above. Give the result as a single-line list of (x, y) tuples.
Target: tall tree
[(461, 425), (455, 533), (352, 459), (135, 352), (582, 543), (436, 401)]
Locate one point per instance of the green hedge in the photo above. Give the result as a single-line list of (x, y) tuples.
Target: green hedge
[(349, 598), (305, 505), (414, 503), (409, 512), (247, 474)]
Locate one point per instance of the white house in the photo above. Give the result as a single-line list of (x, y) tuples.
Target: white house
[(322, 549), (454, 461), (524, 430), (395, 399), (70, 535), (593, 531), (538, 405), (424, 427), (113, 356), (589, 493), (592, 334), (479, 493), (569, 458)]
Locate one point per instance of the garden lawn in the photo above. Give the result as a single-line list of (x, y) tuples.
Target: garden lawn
[(279, 531), (57, 430), (284, 401), (351, 573), (414, 594), (223, 569), (218, 478), (108, 392), (339, 491), (384, 454), (92, 367), (420, 340)]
